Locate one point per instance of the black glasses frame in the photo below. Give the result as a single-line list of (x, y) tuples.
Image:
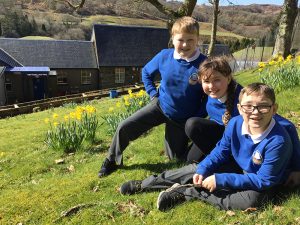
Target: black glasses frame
[(258, 107)]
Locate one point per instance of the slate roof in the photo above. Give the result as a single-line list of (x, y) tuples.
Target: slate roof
[(7, 59), (51, 53), (128, 45)]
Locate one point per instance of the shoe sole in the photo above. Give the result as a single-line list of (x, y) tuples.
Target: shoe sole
[(163, 192)]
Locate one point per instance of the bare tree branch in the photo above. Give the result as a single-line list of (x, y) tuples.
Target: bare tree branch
[(72, 5)]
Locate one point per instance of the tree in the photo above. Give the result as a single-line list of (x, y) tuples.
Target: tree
[(213, 35), (286, 24)]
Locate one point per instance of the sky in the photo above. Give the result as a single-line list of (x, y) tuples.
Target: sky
[(246, 2)]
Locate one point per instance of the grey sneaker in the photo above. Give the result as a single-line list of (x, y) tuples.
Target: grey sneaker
[(172, 196), (131, 187)]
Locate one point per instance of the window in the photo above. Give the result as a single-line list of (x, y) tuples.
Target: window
[(62, 78), (119, 75), (86, 77), (8, 84)]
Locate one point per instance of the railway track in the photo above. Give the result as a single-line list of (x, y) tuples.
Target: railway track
[(39, 105)]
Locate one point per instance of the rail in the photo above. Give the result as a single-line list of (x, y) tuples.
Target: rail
[(39, 105)]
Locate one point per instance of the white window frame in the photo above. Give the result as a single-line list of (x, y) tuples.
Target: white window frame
[(86, 77), (120, 75)]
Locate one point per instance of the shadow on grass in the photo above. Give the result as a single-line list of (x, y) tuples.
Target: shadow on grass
[(284, 194), (155, 167)]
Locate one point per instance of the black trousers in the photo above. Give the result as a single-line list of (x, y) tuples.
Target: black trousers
[(222, 198), (204, 134), (176, 141)]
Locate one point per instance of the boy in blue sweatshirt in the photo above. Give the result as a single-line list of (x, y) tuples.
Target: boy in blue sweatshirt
[(178, 98), (245, 168)]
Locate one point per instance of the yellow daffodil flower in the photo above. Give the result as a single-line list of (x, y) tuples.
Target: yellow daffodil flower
[(55, 116)]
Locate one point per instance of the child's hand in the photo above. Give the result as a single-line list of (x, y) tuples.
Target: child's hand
[(197, 179), (293, 180), (210, 183)]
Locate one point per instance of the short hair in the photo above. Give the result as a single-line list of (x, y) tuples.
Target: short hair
[(219, 64), (185, 24), (261, 88)]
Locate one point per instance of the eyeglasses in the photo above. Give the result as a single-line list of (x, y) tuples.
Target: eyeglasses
[(260, 108)]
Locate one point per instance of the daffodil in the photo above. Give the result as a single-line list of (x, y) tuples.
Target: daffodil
[(72, 115), (118, 104), (66, 117), (46, 120), (127, 103), (298, 59), (90, 109), (110, 109), (55, 116), (261, 64), (140, 102), (55, 124)]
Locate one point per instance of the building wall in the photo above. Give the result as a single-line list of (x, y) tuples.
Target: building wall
[(108, 77), (73, 83), (15, 93), (22, 85)]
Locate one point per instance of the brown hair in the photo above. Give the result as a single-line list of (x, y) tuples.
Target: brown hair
[(261, 88), (185, 24), (221, 65)]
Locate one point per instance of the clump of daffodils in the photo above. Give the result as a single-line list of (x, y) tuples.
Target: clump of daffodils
[(124, 108), (68, 132), (280, 73)]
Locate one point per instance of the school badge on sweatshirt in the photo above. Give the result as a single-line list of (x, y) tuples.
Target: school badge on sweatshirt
[(193, 79), (257, 158)]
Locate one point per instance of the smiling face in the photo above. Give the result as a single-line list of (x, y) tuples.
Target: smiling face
[(185, 44), (255, 121), (215, 84)]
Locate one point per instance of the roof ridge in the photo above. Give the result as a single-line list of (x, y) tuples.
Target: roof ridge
[(1, 49)]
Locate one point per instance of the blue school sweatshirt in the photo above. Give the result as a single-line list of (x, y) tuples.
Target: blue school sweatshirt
[(292, 131), (275, 151), (216, 109), (178, 99)]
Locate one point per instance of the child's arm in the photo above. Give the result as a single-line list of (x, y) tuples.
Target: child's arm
[(292, 131), (148, 73), (269, 174), (219, 155)]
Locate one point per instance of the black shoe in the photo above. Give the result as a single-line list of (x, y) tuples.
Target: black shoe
[(169, 198), (107, 168), (131, 187)]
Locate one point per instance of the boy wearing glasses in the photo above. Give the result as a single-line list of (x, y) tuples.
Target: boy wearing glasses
[(245, 168)]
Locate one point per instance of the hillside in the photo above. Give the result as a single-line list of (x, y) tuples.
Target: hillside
[(252, 21)]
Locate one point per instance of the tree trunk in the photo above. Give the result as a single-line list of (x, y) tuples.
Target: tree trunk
[(285, 29), (213, 28)]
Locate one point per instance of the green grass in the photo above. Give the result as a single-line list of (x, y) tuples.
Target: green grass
[(36, 190)]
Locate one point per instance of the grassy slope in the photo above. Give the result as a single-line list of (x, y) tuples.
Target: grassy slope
[(35, 190), (205, 28)]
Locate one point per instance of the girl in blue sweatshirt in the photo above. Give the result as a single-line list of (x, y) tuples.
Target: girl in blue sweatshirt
[(217, 82)]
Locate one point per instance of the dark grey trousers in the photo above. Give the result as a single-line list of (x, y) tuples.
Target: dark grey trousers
[(176, 141), (223, 199)]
